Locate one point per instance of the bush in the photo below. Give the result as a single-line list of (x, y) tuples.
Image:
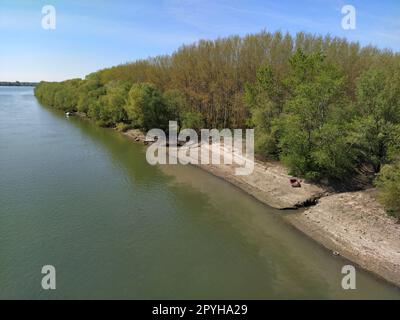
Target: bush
[(123, 127), (265, 143), (388, 183), (89, 92), (111, 107), (145, 107), (176, 104), (192, 120)]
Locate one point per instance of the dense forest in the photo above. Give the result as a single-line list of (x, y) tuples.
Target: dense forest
[(327, 108)]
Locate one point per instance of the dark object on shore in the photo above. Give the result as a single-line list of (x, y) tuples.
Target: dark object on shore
[(295, 183)]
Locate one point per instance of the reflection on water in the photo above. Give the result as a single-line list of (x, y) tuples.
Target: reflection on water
[(85, 200)]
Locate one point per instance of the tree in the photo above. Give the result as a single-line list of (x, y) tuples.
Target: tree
[(176, 105), (145, 107), (295, 146), (89, 93), (111, 108), (265, 101), (388, 183), (334, 155), (192, 120), (311, 143), (378, 107)]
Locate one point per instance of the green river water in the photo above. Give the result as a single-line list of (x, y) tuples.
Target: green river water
[(84, 199)]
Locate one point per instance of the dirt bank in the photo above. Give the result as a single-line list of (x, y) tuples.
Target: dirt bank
[(270, 184), (356, 226)]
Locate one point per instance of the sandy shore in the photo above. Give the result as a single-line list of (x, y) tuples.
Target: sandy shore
[(351, 224), (356, 226), (270, 184)]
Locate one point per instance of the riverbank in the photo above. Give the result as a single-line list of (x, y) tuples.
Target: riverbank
[(355, 225), (352, 224)]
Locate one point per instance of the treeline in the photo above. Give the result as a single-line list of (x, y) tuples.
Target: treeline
[(120, 104), (329, 109)]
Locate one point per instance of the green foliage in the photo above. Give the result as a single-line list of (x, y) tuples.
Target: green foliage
[(61, 96), (388, 182), (123, 127), (333, 155), (176, 104), (394, 142), (378, 109), (315, 89), (267, 142), (265, 101), (111, 107), (145, 107), (192, 120), (89, 93), (295, 146), (300, 118)]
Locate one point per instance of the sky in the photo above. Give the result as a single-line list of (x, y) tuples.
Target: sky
[(95, 34)]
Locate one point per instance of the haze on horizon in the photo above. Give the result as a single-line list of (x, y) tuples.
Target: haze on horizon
[(91, 35)]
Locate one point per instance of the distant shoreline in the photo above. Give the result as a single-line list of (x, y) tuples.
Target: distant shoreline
[(18, 84)]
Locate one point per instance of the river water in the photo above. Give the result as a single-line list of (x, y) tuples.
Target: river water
[(84, 200)]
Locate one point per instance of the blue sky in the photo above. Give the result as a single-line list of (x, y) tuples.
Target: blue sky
[(93, 34)]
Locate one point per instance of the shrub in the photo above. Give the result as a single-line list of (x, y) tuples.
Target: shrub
[(388, 183), (192, 120), (145, 107), (123, 127)]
